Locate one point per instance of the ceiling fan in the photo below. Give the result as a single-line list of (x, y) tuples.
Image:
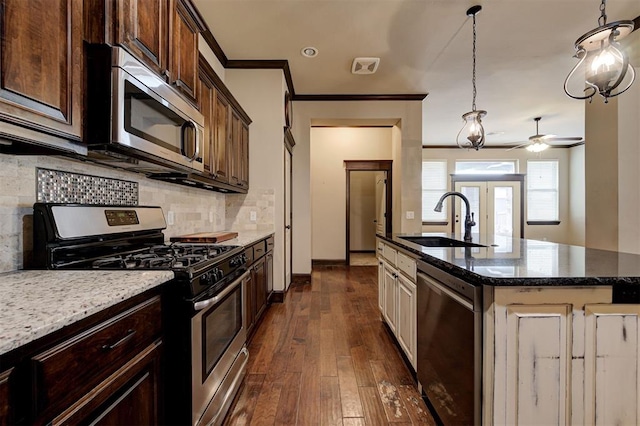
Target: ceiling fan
[(539, 143)]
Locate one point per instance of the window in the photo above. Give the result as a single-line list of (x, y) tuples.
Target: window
[(542, 191), (485, 167), (434, 184)]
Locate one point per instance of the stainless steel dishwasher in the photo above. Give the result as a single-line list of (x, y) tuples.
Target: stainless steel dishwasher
[(450, 345)]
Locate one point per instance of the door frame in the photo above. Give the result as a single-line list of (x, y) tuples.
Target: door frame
[(289, 143), (513, 177), (368, 166)]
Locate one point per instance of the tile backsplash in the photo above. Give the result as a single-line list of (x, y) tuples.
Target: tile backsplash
[(240, 207), (57, 186)]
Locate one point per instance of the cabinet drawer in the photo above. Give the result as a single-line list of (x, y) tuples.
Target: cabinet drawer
[(389, 253), (75, 366), (259, 249), (248, 252), (270, 244), (407, 265), (380, 249)]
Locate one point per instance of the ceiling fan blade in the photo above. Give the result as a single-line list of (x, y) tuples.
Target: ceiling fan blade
[(518, 146), (570, 138)]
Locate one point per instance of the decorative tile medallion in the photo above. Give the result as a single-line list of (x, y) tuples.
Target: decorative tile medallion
[(56, 186)]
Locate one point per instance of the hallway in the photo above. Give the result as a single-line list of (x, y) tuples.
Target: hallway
[(323, 357)]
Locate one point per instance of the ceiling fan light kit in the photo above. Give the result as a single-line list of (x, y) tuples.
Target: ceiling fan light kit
[(472, 126), (538, 142), (605, 62)]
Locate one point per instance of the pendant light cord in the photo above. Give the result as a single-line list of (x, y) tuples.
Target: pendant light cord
[(602, 20), (473, 79)]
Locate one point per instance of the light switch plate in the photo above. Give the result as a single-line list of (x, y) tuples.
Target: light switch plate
[(253, 216), (410, 215), (170, 217), (211, 217)]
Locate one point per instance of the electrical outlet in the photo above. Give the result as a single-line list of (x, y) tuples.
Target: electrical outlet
[(211, 217), (170, 217), (410, 215), (253, 216)]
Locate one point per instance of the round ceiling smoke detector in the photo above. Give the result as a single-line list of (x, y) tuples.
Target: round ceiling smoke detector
[(309, 52), (365, 65)]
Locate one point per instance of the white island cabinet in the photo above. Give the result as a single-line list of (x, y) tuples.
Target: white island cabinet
[(560, 356), (397, 296)]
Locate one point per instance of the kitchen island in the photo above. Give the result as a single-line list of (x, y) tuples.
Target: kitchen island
[(558, 332)]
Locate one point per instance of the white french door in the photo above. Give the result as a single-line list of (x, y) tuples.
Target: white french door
[(496, 208)]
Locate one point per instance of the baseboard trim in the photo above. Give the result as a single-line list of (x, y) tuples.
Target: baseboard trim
[(363, 251), (328, 262), (300, 279)]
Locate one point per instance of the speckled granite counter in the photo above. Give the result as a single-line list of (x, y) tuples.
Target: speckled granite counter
[(36, 303), (520, 262)]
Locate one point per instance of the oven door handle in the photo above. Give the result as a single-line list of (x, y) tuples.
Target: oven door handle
[(203, 304)]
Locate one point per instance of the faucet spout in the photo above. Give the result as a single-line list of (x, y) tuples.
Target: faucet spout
[(469, 217)]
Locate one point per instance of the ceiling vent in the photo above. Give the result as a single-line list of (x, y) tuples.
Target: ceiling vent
[(365, 65)]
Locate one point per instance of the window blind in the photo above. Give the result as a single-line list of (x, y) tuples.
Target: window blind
[(542, 190), (434, 184)]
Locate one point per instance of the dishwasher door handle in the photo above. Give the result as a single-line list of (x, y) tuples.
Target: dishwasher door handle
[(441, 288)]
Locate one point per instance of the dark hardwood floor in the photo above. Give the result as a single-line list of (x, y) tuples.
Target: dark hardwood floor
[(323, 357)]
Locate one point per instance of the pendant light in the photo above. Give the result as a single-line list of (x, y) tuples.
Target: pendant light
[(606, 62), (472, 126)]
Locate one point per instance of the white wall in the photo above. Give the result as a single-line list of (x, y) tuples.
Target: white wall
[(261, 94), (562, 233), (408, 115), (329, 148), (362, 208)]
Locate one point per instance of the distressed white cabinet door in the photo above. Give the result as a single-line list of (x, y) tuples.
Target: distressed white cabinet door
[(390, 290), (612, 372), (406, 327), (381, 285), (538, 358)]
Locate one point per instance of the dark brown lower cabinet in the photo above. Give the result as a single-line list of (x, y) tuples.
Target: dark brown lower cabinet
[(260, 284), (4, 398), (104, 370), (257, 285), (129, 397)]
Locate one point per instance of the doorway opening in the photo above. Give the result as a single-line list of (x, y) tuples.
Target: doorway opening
[(368, 208)]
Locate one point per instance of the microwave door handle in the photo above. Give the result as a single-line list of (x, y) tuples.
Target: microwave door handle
[(196, 151)]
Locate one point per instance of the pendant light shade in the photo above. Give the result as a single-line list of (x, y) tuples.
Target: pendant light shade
[(471, 135), (605, 64)]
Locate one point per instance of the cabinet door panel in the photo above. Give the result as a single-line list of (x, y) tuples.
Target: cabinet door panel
[(406, 326), (183, 47), (538, 349), (221, 139), (260, 282), (612, 364), (142, 29), (41, 64), (206, 98), (4, 398), (390, 285)]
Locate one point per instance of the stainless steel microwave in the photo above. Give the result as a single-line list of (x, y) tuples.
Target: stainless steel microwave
[(137, 121)]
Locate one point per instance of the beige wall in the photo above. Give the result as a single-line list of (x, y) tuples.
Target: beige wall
[(329, 148), (261, 94), (576, 196), (406, 191), (362, 196), (563, 233)]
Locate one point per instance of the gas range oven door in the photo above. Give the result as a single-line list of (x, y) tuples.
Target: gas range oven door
[(219, 353)]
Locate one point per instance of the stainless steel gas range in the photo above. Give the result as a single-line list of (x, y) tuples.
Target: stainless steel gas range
[(203, 312)]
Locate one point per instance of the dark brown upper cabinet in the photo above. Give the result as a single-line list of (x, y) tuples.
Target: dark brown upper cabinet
[(41, 66), (141, 26), (226, 148), (163, 34), (183, 48)]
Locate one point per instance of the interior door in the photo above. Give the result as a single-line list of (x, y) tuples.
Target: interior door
[(496, 205), (381, 190), (288, 261)]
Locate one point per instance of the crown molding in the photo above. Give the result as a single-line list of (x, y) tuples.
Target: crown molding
[(386, 97)]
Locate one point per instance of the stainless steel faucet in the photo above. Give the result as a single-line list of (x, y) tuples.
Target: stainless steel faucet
[(469, 217)]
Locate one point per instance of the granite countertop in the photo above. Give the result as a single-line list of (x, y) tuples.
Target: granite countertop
[(246, 238), (36, 303), (515, 262)]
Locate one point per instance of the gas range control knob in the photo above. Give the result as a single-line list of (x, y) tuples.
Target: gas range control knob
[(244, 258), (219, 273)]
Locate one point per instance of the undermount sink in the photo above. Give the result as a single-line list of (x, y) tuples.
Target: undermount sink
[(440, 242)]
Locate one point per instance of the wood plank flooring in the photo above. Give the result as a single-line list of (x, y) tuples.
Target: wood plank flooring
[(323, 357)]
